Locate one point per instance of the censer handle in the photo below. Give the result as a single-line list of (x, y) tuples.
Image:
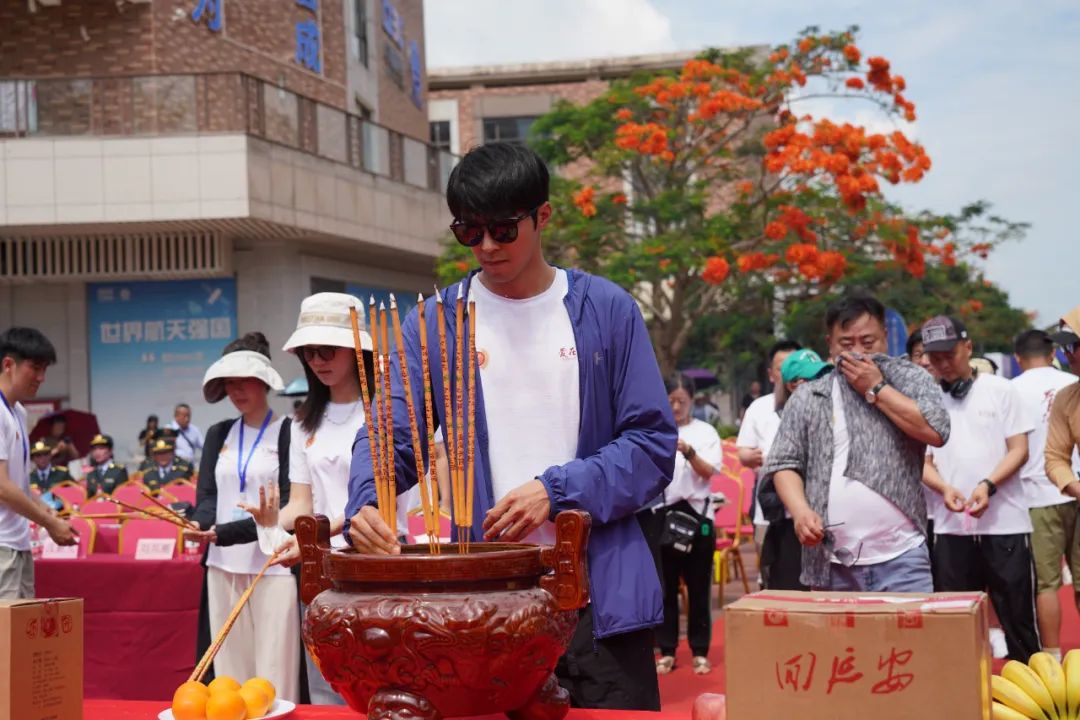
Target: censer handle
[(569, 584), (313, 537)]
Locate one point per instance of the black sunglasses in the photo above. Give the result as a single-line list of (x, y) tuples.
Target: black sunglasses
[(471, 234), (325, 352)]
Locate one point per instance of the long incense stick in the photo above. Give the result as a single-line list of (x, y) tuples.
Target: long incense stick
[(361, 372), (208, 656), (163, 506), (406, 384), (146, 511), (473, 374), (448, 404), (459, 423), (425, 374), (388, 425), (376, 424)]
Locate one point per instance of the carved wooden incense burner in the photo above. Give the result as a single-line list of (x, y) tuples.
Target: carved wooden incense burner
[(421, 635)]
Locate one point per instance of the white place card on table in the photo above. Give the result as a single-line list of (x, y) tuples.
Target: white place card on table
[(155, 549)]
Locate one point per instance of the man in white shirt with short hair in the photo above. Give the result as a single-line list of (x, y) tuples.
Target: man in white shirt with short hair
[(1053, 514), (987, 547), (756, 434), (189, 438), (25, 355)]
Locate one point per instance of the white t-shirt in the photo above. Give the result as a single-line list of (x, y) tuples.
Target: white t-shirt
[(1037, 388), (872, 528), (530, 375), (685, 483), (760, 424), (262, 470), (322, 459), (14, 528), (991, 412)]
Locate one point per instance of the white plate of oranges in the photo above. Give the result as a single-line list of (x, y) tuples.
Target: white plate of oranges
[(226, 699)]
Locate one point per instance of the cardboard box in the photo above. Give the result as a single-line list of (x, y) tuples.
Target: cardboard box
[(834, 656), (41, 659)]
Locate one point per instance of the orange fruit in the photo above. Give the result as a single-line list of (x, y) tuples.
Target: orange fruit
[(222, 683), (265, 685), (255, 700), (192, 686), (189, 704), (226, 705)]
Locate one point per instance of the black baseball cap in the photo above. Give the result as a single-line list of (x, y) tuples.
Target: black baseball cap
[(1069, 328), (941, 333)]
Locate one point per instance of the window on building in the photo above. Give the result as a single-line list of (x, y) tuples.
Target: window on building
[(508, 129), (360, 42), (440, 134)]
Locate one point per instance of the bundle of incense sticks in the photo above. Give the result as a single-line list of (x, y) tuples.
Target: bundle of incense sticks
[(458, 414), (459, 454)]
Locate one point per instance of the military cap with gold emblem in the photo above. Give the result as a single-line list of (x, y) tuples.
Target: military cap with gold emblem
[(102, 441), (39, 448), (163, 445)]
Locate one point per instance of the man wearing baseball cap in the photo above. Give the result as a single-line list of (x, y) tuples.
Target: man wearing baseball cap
[(1063, 433), (988, 546)]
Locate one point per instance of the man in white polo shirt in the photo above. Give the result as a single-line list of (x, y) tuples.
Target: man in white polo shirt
[(988, 546), (1053, 514)]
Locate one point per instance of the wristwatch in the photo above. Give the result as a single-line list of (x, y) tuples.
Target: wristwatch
[(872, 393), (990, 487), (689, 454)]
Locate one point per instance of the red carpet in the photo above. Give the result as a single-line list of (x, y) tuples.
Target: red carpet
[(679, 688)]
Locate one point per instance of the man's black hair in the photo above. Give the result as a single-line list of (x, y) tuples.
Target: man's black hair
[(497, 180), (913, 339), (22, 343), (1032, 344), (783, 346), (849, 308)]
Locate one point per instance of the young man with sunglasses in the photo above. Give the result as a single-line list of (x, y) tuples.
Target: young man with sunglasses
[(987, 547), (571, 413), (848, 457)]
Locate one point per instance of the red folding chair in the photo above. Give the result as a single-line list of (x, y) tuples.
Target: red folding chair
[(71, 492), (87, 530), (135, 529), (131, 493), (181, 491), (100, 506), (729, 532)]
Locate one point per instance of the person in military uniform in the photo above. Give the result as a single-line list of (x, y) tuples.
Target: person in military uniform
[(166, 466), (103, 475), (45, 475)]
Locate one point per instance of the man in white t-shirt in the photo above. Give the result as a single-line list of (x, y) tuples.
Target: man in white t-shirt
[(189, 438), (779, 569), (25, 355), (1053, 514), (987, 547)]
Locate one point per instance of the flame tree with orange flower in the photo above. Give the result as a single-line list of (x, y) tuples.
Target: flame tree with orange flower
[(707, 179)]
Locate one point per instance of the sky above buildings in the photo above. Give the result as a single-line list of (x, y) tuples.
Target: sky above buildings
[(996, 84)]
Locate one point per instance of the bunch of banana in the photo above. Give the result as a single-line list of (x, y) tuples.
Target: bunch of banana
[(1044, 689)]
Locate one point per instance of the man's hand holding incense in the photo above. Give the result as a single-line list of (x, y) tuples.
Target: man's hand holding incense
[(521, 511), (369, 534)]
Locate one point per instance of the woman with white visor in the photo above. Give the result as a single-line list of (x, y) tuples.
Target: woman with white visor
[(323, 431), (241, 458)]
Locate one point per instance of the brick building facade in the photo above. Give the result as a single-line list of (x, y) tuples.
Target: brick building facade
[(273, 148)]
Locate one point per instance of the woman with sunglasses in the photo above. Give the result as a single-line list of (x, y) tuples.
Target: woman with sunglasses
[(241, 458), (323, 431), (699, 454)]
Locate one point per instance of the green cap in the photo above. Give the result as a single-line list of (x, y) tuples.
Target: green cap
[(803, 365)]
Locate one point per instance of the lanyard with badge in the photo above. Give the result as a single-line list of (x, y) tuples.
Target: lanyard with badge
[(242, 465), (22, 428)]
